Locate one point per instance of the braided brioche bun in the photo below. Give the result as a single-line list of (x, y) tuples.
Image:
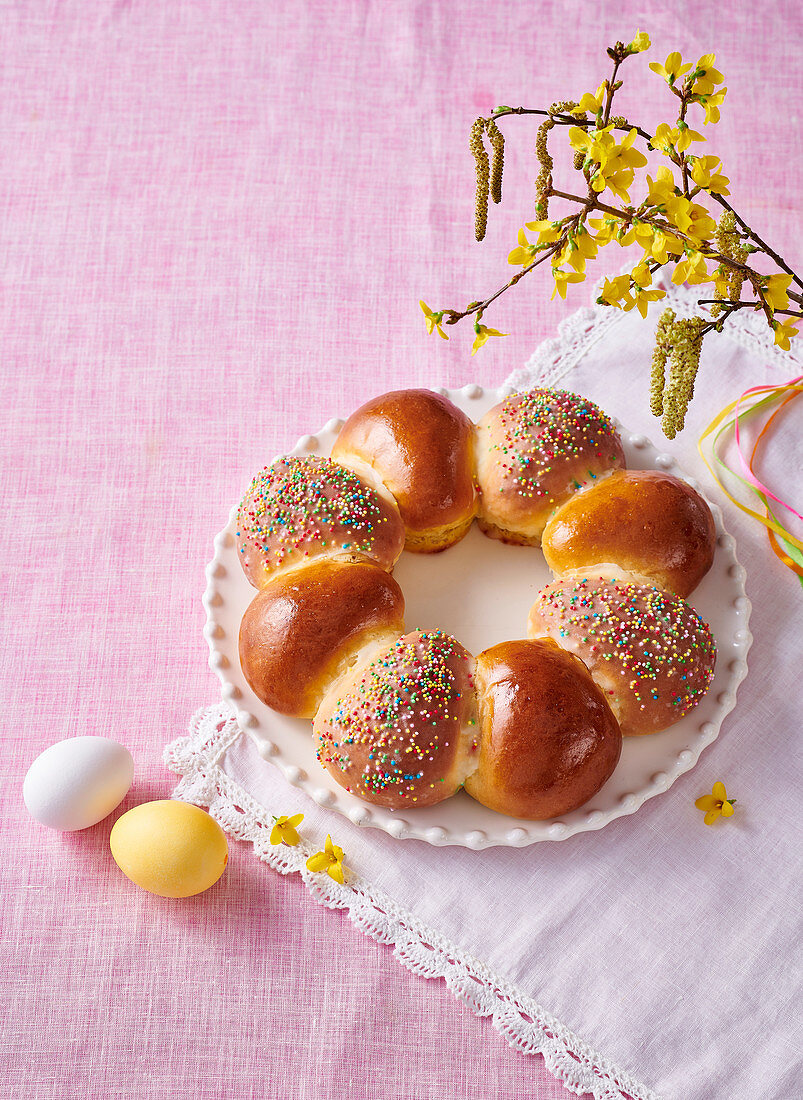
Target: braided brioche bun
[(300, 509), (419, 446), (648, 650), (533, 451), (302, 631), (647, 523), (548, 739), (399, 729)]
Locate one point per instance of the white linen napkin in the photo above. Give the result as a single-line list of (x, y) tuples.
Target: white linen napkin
[(657, 957)]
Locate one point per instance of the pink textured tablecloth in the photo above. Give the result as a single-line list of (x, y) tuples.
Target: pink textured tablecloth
[(217, 220)]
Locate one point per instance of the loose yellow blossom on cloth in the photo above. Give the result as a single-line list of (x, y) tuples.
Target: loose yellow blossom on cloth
[(717, 804), (285, 830), (483, 335), (329, 860), (433, 321)]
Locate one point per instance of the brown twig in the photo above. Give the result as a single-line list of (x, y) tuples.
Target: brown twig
[(451, 316)]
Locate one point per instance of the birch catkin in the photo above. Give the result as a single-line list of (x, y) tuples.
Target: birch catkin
[(483, 175)]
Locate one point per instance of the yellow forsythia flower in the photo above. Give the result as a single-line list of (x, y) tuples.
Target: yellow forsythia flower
[(671, 69), (774, 291), (709, 76), (664, 138), (783, 334), (284, 830), (580, 247), (433, 320), (547, 231), (615, 290), (702, 226), (627, 156), (596, 144), (483, 335), (618, 182), (662, 187), (329, 860), (663, 245), (640, 43), (704, 172), (616, 164), (562, 278), (717, 804), (667, 138), (607, 229), (711, 105), (591, 103), (524, 254), (691, 269), (644, 297), (641, 274)]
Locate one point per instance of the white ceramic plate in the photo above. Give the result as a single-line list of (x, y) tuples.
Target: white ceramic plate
[(481, 591)]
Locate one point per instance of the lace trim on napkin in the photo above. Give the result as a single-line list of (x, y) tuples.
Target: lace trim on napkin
[(525, 1025), (555, 357)]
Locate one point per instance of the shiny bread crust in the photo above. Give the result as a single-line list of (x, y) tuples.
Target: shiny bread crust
[(300, 633), (647, 522), (420, 446), (548, 739)]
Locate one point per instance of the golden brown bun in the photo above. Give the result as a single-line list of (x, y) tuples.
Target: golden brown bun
[(399, 730), (419, 446), (300, 509), (645, 522), (533, 451), (303, 630), (652, 654), (548, 739)]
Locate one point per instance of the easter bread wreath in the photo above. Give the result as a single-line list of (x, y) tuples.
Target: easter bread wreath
[(531, 727)]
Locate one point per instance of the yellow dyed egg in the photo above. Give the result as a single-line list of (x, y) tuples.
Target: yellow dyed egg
[(169, 848)]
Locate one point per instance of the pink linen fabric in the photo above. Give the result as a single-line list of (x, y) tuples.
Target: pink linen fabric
[(217, 220)]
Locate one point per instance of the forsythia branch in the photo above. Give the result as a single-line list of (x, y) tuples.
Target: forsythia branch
[(670, 223)]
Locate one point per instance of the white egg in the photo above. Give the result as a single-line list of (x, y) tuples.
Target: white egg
[(77, 782)]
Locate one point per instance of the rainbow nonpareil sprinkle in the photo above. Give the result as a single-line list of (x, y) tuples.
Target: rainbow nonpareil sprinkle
[(756, 400)]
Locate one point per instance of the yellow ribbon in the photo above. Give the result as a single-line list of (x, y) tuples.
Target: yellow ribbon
[(764, 396)]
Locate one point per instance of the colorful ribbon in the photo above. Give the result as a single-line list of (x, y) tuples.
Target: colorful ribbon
[(787, 547)]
